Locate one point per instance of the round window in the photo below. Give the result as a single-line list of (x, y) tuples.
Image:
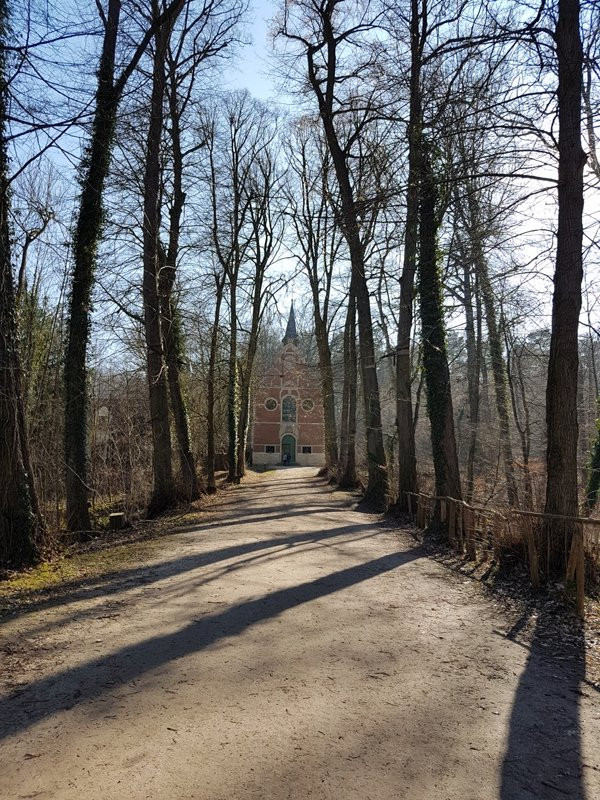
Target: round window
[(271, 404), (307, 405)]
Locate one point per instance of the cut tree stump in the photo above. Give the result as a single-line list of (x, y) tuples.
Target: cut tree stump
[(116, 521)]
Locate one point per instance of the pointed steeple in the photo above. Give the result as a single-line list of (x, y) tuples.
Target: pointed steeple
[(290, 331)]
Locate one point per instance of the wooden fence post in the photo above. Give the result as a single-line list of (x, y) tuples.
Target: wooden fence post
[(468, 525), (460, 527), (451, 523), (497, 525), (581, 574), (532, 556)]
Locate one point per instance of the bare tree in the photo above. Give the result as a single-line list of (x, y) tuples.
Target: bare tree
[(347, 477), (86, 237), (265, 218), (435, 353), (211, 486), (323, 30), (21, 526), (205, 31), (561, 393), (239, 138), (164, 491), (318, 240)]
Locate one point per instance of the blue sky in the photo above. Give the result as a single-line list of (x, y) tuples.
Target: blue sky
[(250, 68)]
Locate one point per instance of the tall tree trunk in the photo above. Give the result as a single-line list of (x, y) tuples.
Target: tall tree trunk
[(246, 383), (435, 355), (232, 387), (164, 493), (170, 324), (561, 392), (244, 419), (211, 485), (173, 347), (326, 374), (473, 373), (20, 523), (499, 372), (347, 476), (407, 458), (88, 230), (86, 238), (318, 239), (247, 371), (345, 410), (523, 427), (377, 491)]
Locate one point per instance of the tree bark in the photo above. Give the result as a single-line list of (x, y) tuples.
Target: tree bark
[(473, 342), (499, 372), (172, 348), (347, 474), (435, 356), (211, 486), (21, 526), (326, 373), (377, 490), (86, 238), (246, 374), (88, 230), (407, 458), (164, 493), (170, 323), (561, 392), (233, 397)]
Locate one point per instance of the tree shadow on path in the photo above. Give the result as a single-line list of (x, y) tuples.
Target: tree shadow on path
[(45, 697), (118, 581), (543, 758), (230, 517)]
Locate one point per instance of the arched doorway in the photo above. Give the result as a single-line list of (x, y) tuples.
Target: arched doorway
[(288, 449)]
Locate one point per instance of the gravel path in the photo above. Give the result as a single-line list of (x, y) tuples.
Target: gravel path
[(290, 647)]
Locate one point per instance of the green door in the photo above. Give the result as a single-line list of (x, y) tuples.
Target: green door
[(288, 449)]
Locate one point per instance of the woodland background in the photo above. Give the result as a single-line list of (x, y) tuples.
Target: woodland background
[(416, 188)]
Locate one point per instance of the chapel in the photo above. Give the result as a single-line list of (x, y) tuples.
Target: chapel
[(288, 424)]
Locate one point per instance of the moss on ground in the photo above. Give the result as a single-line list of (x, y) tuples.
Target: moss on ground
[(62, 574), (107, 553)]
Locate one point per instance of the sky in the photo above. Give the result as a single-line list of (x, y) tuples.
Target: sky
[(250, 69)]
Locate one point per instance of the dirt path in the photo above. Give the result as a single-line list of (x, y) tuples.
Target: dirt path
[(290, 648)]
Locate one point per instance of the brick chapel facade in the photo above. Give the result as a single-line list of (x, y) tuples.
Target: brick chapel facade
[(288, 424)]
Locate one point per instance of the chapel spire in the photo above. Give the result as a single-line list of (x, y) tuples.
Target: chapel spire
[(290, 331)]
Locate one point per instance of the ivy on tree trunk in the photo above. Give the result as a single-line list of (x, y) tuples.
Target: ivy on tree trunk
[(435, 354), (163, 492), (563, 365), (86, 239), (21, 526)]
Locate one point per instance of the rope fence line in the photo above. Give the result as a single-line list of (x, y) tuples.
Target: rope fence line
[(481, 532)]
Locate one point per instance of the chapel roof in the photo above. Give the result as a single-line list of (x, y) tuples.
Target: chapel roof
[(290, 331)]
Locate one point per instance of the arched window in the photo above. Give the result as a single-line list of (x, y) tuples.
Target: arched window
[(288, 409)]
